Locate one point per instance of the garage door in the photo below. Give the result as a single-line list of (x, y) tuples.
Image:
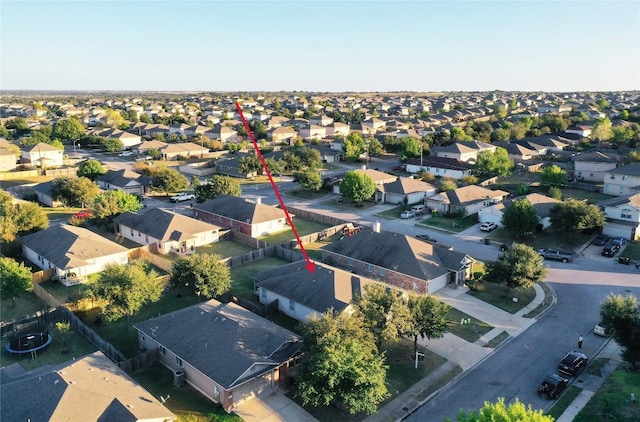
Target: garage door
[(614, 230)]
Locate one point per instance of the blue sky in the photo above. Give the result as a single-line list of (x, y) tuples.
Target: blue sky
[(320, 45)]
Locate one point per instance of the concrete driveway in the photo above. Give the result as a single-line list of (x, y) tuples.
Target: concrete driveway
[(274, 407)]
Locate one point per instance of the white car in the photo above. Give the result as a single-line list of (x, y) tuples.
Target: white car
[(488, 227), (407, 214), (183, 196), (125, 154)]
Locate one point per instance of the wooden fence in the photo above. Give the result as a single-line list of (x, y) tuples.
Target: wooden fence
[(41, 276), (140, 362), (320, 218), (144, 253)]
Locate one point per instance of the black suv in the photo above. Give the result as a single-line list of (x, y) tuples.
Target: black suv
[(552, 386), (610, 249), (573, 363)]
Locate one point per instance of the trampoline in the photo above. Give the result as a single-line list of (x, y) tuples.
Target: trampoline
[(29, 343)]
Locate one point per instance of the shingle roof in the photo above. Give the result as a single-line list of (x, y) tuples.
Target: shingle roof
[(122, 178), (541, 203), (68, 246), (628, 170), (236, 337), (406, 186), (472, 193), (165, 225), (240, 209), (441, 162), (597, 157)]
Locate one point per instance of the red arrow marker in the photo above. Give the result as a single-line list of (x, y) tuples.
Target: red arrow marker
[(310, 265)]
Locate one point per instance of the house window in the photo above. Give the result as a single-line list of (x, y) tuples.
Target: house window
[(163, 351), (179, 362), (625, 213), (292, 305), (369, 267), (381, 271), (142, 338), (613, 177), (131, 232), (350, 262), (146, 238)]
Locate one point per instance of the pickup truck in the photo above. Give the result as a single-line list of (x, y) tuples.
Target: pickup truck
[(555, 254), (183, 196)]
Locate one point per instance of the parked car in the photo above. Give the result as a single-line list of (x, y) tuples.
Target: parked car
[(425, 237), (600, 240), (125, 154), (610, 249), (407, 214), (83, 214), (620, 241), (555, 254), (488, 226), (573, 363), (601, 329), (419, 209), (552, 386), (183, 196)]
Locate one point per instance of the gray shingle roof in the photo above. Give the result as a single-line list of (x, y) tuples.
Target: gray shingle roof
[(628, 170), (240, 209), (123, 177), (164, 225), (237, 338)]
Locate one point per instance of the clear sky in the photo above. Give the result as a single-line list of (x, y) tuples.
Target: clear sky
[(320, 45)]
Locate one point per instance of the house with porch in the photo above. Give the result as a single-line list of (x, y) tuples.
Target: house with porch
[(227, 353)]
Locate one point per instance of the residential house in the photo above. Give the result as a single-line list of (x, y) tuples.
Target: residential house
[(309, 132), (230, 166), (328, 154), (86, 388), (624, 180), (125, 180), (372, 126), (282, 134), (183, 150), (336, 129), (44, 195), (466, 200), (165, 231), (43, 155), (439, 166), (541, 203), (8, 160), (251, 218), (592, 166), (301, 294), (406, 190), (321, 120), (516, 151), (226, 352), (622, 217), (458, 151), (223, 133), (582, 130), (400, 261), (378, 177), (72, 252), (128, 139)]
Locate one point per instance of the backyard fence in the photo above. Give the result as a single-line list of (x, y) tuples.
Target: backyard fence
[(40, 318), (41, 276), (144, 253), (320, 218), (245, 239), (94, 338), (140, 362), (236, 261)]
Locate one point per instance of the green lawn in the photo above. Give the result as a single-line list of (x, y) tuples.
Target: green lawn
[(611, 401), (26, 303), (60, 213), (564, 401), (224, 248), (499, 295), (494, 342), (313, 249), (393, 212), (548, 298), (185, 402), (303, 227), (102, 231), (590, 195), (469, 331), (62, 293), (632, 250), (455, 225), (546, 239), (242, 284), (306, 194)]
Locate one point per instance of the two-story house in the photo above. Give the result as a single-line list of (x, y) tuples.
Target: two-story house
[(622, 217), (592, 166), (623, 180)]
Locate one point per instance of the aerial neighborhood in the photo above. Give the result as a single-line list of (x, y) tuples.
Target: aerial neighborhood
[(168, 256)]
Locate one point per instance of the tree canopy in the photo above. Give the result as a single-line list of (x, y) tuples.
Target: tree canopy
[(602, 130), (428, 318), (74, 192), (219, 185), (500, 411), (622, 315), (519, 267), (91, 169), (206, 273), (309, 180), (125, 289), (495, 163), (574, 215), (520, 218), (357, 186), (342, 366), (553, 176), (353, 146), (19, 217), (14, 278), (112, 203), (169, 180), (70, 129)]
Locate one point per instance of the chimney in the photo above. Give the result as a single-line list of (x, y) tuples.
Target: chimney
[(258, 200), (376, 227)]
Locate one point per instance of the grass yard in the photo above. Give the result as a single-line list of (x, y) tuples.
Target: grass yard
[(590, 195), (341, 203), (306, 194), (632, 250), (102, 231), (303, 227), (242, 284), (224, 248), (469, 331), (60, 213), (611, 401), (26, 303), (500, 296), (564, 401), (494, 342), (313, 249), (454, 225), (185, 402), (545, 239), (393, 212)]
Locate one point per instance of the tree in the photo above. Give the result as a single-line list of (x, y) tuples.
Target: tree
[(519, 267), (622, 315), (70, 129), (74, 192), (500, 111), (500, 134), (602, 130), (447, 184), (520, 218), (357, 186), (14, 279), (29, 216), (353, 146), (144, 118), (91, 169), (63, 329), (111, 144), (553, 176), (342, 366), (112, 203), (411, 148), (458, 135), (384, 312), (169, 180), (309, 180), (632, 157), (555, 192), (497, 162), (219, 185), (428, 318), (114, 119), (500, 411), (206, 273), (375, 147), (574, 215), (250, 164), (125, 289), (17, 123)]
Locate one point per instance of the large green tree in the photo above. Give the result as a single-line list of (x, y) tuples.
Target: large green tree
[(112, 203), (14, 279), (353, 146), (574, 215), (502, 412), (342, 366), (91, 169), (169, 180), (602, 130), (553, 176), (494, 163), (428, 318), (68, 130), (19, 217), (74, 192), (357, 186), (519, 267), (207, 274), (219, 185), (309, 180), (125, 289), (622, 315), (520, 218)]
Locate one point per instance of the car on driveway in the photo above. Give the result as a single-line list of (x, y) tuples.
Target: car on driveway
[(183, 196), (600, 240), (552, 386), (488, 226), (407, 214), (555, 254), (610, 249), (620, 241), (601, 329), (573, 363), (426, 238), (125, 154)]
